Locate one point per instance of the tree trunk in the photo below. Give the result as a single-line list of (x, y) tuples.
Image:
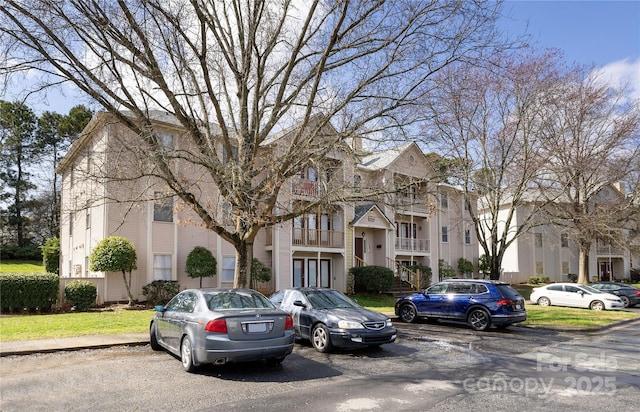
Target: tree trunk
[(127, 285), (583, 263), (244, 256)]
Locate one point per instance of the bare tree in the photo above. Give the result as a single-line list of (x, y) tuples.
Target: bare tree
[(234, 73), (590, 132), (483, 118)]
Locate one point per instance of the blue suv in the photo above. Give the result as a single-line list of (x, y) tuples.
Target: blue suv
[(480, 303)]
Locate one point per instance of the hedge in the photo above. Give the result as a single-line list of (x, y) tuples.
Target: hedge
[(372, 279), (81, 293), (31, 291), (160, 292)]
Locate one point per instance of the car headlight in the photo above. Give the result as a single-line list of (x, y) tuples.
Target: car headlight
[(389, 323), (349, 324)]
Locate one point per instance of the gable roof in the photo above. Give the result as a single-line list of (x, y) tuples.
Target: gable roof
[(362, 210)]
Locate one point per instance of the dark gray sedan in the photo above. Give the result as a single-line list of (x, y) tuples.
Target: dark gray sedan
[(222, 325), (328, 318)]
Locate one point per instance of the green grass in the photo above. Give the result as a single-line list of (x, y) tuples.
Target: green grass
[(21, 266), (379, 303), (33, 327), (572, 317)]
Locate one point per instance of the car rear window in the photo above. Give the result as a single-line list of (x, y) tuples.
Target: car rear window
[(237, 300), (508, 292)]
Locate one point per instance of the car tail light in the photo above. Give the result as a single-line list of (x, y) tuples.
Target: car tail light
[(216, 326), (637, 292), (504, 302), (288, 322)]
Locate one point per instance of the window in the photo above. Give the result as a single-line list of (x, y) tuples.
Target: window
[(163, 208), (565, 267), (234, 155), (444, 200), (445, 234), (539, 268), (357, 180), (467, 237), (538, 239), (228, 268), (564, 240), (165, 140), (162, 267)]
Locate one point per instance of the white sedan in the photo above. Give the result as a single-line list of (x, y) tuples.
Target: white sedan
[(573, 295)]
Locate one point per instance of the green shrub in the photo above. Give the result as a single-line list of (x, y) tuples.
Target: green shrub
[(259, 272), (159, 292), (425, 275), (536, 280), (201, 263), (445, 270), (572, 277), (31, 291), (51, 255), (372, 279), (81, 293), (9, 252)]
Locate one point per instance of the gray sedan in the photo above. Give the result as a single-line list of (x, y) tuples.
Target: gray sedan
[(222, 325)]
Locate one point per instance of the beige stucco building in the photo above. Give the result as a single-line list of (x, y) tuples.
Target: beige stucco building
[(423, 224)]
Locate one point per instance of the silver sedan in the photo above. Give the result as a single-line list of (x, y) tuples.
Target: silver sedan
[(222, 325)]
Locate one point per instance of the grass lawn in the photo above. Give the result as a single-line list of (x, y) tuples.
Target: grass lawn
[(573, 317), (33, 327), (21, 266), (379, 303)]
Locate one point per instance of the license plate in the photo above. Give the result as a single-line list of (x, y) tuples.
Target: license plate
[(519, 306), (256, 327)]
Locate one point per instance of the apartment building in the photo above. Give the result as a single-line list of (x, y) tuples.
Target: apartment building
[(548, 249), (419, 224)]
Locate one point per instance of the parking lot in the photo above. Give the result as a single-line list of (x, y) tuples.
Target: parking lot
[(432, 366)]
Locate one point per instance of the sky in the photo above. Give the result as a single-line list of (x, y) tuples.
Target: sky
[(603, 34), (599, 33)]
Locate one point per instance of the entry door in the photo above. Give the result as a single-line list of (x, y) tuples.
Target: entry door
[(605, 271), (298, 273), (359, 248), (325, 273)]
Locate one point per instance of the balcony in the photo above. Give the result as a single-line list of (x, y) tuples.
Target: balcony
[(404, 244), (317, 238), (304, 187), (311, 237)]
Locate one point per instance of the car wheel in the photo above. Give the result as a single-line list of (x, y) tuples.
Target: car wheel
[(320, 338), (597, 305), (186, 355), (408, 313), (544, 301), (479, 319), (625, 300), (153, 339)]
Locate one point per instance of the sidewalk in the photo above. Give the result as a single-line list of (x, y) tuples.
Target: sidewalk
[(75, 343)]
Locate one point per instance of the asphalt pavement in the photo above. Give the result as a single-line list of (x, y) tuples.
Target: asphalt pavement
[(105, 341)]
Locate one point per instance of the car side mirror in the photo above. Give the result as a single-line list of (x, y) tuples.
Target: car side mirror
[(581, 292), (159, 308), (299, 303)]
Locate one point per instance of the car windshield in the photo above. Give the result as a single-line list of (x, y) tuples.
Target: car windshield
[(329, 299), (237, 300)]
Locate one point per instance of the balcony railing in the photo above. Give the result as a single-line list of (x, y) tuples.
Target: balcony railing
[(317, 237), (609, 250), (404, 244), (305, 187)]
